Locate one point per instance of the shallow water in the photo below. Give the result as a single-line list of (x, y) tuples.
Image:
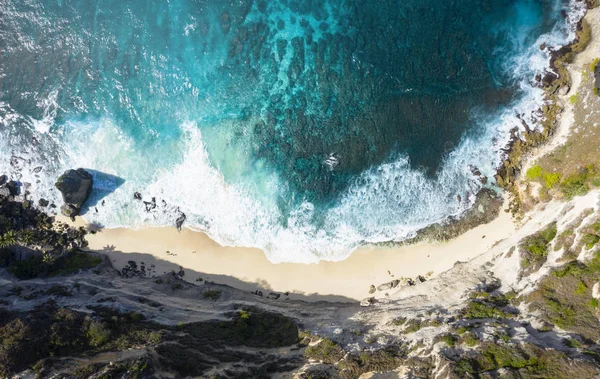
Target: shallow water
[(304, 128)]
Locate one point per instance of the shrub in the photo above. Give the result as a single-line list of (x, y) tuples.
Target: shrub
[(479, 309), (326, 351), (449, 339), (211, 294), (536, 248), (590, 240), (97, 333), (534, 173)]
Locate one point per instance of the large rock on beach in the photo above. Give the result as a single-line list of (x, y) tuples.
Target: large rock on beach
[(75, 187)]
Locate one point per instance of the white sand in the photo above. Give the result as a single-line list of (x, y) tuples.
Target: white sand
[(249, 269)]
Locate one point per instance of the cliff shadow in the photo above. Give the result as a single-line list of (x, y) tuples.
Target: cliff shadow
[(136, 264)]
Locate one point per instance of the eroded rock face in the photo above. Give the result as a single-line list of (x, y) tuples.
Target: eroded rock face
[(75, 187)]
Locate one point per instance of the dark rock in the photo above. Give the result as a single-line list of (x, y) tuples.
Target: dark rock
[(180, 220), (75, 187), (43, 202), (4, 191), (150, 205), (372, 289), (3, 179), (137, 196), (421, 278), (13, 187)]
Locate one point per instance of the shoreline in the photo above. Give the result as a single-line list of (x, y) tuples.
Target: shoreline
[(249, 269), (165, 249)]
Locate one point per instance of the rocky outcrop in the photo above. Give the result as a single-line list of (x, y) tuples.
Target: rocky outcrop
[(180, 220), (75, 187)]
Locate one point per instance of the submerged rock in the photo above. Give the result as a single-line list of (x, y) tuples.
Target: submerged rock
[(137, 196), (75, 187)]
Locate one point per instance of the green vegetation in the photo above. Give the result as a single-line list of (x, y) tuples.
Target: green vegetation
[(351, 365), (33, 339), (49, 331), (412, 326), (534, 249), (52, 247), (578, 184), (523, 361), (575, 184), (480, 309), (470, 339), (355, 364), (325, 351), (594, 64), (211, 294), (399, 321), (415, 324), (66, 264), (564, 298), (573, 98)]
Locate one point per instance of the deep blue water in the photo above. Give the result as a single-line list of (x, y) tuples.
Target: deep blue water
[(301, 127)]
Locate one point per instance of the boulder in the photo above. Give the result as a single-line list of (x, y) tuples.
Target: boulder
[(389, 285), (43, 202), (13, 187), (137, 196), (75, 187), (368, 302), (3, 179), (4, 191), (180, 220)]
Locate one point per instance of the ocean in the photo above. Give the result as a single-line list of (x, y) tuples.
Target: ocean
[(305, 128)]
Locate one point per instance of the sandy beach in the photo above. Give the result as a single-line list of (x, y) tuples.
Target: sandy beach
[(249, 269), (162, 250)]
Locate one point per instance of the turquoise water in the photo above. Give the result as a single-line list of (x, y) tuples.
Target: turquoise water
[(304, 128)]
